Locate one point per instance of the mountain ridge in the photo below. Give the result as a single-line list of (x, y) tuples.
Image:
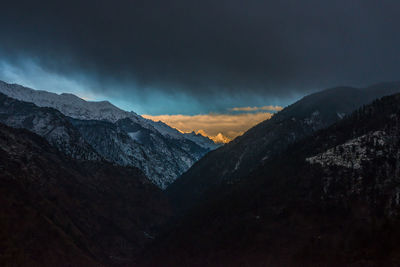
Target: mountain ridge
[(78, 108), (298, 120)]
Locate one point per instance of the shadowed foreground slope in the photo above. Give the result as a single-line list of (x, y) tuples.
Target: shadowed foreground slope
[(55, 211)]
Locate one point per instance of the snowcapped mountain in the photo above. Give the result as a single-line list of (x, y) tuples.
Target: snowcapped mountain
[(220, 139), (68, 104), (75, 107), (99, 130)]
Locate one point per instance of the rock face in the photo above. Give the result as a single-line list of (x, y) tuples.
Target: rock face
[(331, 199), (56, 211), (269, 138), (94, 130), (50, 124), (128, 143), (202, 140)]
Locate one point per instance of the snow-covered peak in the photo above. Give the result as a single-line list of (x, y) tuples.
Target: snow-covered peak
[(220, 139), (69, 104)]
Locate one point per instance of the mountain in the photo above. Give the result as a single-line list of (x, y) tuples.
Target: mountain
[(238, 158), (128, 143), (50, 124), (330, 199), (75, 107), (94, 130), (198, 138), (220, 139), (56, 211)]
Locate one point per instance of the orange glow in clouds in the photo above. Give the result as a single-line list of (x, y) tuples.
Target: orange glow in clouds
[(219, 127)]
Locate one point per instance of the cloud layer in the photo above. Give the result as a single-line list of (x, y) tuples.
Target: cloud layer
[(229, 125), (248, 109), (207, 52)]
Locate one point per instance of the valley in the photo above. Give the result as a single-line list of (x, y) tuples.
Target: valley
[(317, 184)]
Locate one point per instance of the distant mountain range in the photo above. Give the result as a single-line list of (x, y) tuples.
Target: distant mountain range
[(121, 137), (221, 139)]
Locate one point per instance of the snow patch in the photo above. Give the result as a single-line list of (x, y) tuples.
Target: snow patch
[(352, 153), (135, 136)]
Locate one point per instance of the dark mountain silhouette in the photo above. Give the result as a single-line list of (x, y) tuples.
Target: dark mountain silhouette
[(268, 139), (332, 199), (56, 211)]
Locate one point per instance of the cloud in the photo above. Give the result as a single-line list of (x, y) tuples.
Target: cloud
[(207, 49), (213, 125), (268, 108)]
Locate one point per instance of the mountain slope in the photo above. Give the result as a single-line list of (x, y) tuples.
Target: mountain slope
[(269, 138), (103, 131), (50, 124), (203, 140), (331, 199), (128, 143), (59, 212), (199, 139)]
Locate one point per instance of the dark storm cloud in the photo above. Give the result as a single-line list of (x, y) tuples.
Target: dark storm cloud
[(202, 47)]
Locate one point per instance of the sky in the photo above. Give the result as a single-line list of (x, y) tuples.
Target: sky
[(198, 58)]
